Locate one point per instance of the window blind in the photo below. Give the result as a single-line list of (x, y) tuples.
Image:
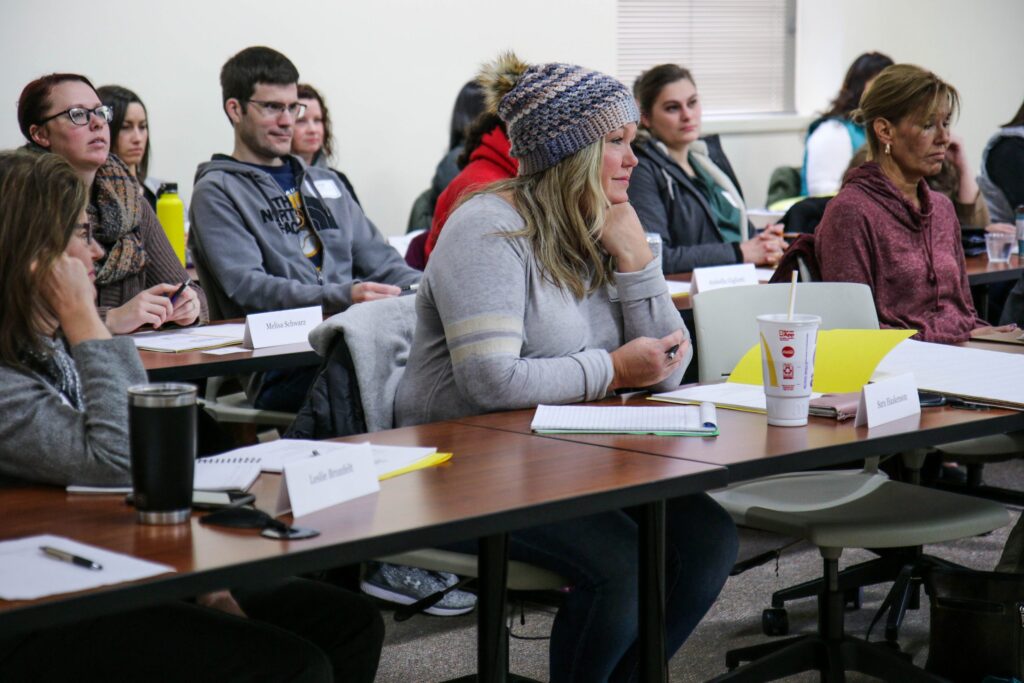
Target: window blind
[(740, 52)]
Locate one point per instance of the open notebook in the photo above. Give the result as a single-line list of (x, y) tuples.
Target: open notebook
[(663, 421)]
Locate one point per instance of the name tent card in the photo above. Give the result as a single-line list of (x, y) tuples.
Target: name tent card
[(325, 480), (888, 400), (278, 328), (706, 279)]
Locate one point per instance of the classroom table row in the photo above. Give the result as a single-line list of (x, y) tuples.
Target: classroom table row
[(500, 478)]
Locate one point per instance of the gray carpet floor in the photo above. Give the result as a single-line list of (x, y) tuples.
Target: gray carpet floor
[(429, 648)]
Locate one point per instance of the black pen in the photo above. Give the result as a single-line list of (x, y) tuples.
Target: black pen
[(671, 353), (177, 292), (65, 556), (410, 288)]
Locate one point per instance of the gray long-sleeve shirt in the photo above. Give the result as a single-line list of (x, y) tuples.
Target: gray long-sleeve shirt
[(44, 439), (493, 334)]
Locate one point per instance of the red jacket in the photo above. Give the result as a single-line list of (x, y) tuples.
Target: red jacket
[(488, 163), (912, 259)]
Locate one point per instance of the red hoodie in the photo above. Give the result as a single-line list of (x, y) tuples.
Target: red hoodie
[(912, 260), (488, 163)]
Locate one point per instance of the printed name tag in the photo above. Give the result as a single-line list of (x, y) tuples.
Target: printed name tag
[(888, 400), (328, 189), (280, 327), (319, 482), (706, 279)]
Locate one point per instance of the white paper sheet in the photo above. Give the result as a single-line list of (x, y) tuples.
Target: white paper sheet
[(678, 288), (26, 573), (272, 456), (189, 339), (226, 472), (729, 395), (958, 371)]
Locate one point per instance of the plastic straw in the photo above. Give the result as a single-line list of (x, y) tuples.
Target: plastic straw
[(792, 295)]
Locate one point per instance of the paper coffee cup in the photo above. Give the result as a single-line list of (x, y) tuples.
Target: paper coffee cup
[(787, 365)]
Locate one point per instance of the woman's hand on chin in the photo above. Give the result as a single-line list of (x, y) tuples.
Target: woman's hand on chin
[(623, 237), (71, 297)]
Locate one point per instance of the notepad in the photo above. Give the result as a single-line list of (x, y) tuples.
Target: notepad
[(389, 461), (668, 421), (226, 472), (729, 395), (190, 339)]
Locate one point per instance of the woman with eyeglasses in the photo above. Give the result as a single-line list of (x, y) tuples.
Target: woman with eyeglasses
[(63, 381), (63, 114)]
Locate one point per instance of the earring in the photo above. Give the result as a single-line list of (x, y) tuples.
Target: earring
[(888, 149)]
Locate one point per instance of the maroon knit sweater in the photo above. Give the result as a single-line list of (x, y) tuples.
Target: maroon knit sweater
[(912, 260)]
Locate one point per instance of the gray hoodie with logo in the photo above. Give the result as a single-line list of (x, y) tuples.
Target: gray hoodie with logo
[(243, 239)]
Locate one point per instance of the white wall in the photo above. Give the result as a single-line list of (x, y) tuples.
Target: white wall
[(391, 69)]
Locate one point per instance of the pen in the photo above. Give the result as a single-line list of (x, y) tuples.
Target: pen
[(177, 292), (65, 556), (410, 288), (671, 353)]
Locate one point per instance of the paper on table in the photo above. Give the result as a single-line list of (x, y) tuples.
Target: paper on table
[(225, 350), (764, 274), (26, 573), (731, 396), (390, 461), (177, 341), (987, 376), (843, 362), (676, 421), (225, 472)]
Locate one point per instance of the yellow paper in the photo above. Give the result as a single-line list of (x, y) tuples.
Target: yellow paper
[(422, 463), (844, 360)]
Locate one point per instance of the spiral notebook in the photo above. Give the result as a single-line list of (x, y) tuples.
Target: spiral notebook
[(668, 421), (226, 473)]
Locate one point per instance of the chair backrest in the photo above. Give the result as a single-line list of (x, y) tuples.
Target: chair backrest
[(216, 300), (725, 319), (378, 335)]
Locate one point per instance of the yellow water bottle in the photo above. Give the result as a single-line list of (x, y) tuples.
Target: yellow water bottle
[(170, 211)]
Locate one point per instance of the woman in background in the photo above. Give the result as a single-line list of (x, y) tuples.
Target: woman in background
[(515, 310), (886, 228), (835, 137), (129, 135), (63, 382), (313, 139), (63, 114), (684, 188), (1002, 170)]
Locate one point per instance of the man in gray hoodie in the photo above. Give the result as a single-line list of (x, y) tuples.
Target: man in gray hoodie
[(269, 232)]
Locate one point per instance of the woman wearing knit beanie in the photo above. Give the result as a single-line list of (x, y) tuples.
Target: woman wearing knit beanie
[(542, 289)]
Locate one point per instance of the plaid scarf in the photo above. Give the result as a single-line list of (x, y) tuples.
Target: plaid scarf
[(114, 213), (57, 368)]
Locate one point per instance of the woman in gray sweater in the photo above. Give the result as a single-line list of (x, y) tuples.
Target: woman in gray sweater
[(542, 289), (63, 397)]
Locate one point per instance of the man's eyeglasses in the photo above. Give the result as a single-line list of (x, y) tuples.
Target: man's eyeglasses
[(80, 115), (275, 109)]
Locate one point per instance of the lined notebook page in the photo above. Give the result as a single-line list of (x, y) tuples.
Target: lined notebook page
[(626, 419), (226, 473)]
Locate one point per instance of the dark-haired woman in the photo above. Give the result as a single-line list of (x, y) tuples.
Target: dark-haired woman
[(63, 381), (129, 135), (684, 188), (313, 138), (834, 138), (63, 114)]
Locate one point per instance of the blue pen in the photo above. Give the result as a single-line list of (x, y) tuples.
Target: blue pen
[(177, 293)]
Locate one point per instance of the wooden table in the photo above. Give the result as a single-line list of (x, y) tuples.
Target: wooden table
[(749, 448), (166, 367), (496, 482)]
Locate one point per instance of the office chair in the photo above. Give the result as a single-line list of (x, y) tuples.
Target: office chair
[(831, 509)]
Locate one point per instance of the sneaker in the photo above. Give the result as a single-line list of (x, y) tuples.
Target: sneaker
[(406, 585)]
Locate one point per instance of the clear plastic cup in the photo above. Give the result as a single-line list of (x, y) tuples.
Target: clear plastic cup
[(998, 246), (787, 364)]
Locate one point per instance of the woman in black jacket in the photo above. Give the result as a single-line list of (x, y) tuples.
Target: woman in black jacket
[(684, 188)]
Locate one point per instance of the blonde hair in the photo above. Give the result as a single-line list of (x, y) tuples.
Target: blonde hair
[(564, 209), (902, 90)]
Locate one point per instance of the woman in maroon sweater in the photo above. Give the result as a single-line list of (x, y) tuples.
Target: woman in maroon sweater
[(886, 228)]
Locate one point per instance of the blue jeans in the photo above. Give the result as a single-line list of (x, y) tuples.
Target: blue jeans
[(595, 632)]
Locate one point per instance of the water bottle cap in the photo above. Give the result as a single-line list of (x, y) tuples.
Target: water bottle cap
[(167, 187)]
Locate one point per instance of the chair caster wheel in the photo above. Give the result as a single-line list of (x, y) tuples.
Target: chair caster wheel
[(775, 621), (852, 599)]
